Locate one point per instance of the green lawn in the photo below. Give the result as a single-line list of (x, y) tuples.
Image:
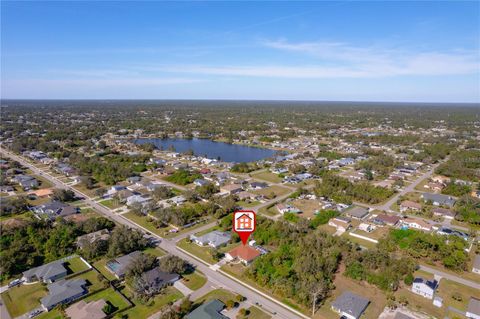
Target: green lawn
[(75, 265), (243, 203), (94, 284), (24, 298), (143, 221), (157, 252), (200, 252), (268, 176), (170, 294), (100, 266), (52, 314), (110, 203), (220, 294), (255, 313), (110, 295), (195, 280)]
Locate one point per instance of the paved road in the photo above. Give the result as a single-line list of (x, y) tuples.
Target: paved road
[(407, 189), (475, 285), (217, 278)]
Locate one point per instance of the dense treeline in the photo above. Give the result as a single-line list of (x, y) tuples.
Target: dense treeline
[(109, 169), (432, 247), (379, 268), (343, 191), (463, 165), (382, 165), (40, 242), (183, 177), (468, 210)]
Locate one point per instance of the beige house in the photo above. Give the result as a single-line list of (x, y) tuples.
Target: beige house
[(83, 310)]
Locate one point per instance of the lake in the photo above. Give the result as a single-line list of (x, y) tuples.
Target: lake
[(210, 149)]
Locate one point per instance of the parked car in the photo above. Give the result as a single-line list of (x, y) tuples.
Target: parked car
[(14, 283), (35, 313)]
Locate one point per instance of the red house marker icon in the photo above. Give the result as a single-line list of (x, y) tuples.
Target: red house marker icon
[(244, 224)]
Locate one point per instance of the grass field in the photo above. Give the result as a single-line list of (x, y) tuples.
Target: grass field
[(156, 251), (140, 310), (268, 176), (111, 203), (361, 242), (145, 223), (100, 266), (75, 265), (93, 283), (277, 190), (376, 296), (255, 313), (220, 294), (111, 296), (308, 207), (203, 252), (195, 280), (243, 203), (23, 298), (52, 314)]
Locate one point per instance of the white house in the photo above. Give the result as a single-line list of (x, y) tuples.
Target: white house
[(423, 287)]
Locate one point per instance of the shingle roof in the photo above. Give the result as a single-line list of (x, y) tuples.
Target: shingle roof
[(62, 290), (351, 304), (358, 212), (474, 306), (244, 252), (216, 238), (46, 271), (439, 198), (119, 265), (209, 310)]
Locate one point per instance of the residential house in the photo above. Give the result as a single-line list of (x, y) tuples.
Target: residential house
[(416, 223), (408, 205), (258, 185), (119, 265), (83, 310), (286, 208), (366, 227), (439, 199), (213, 239), (436, 187), (47, 273), (243, 253), (357, 212), (279, 170), (340, 223), (115, 189), (443, 212), (65, 169), (231, 189), (63, 292), (476, 264), (133, 179), (440, 179), (473, 308), (54, 209), (200, 182), (6, 189), (136, 199), (208, 310), (44, 192), (244, 195), (350, 305), (27, 182), (423, 287), (103, 234), (155, 279), (178, 200), (345, 161), (383, 219)]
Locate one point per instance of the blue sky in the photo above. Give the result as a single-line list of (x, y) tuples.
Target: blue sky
[(367, 51)]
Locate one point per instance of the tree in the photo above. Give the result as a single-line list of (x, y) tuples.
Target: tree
[(161, 192), (63, 195), (173, 264), (139, 264), (124, 240)]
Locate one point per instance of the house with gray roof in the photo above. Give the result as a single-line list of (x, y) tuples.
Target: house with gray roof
[(54, 209), (213, 239), (119, 265), (473, 308), (63, 292), (47, 273), (439, 199), (350, 305), (156, 279), (209, 310), (27, 182), (423, 287), (357, 212)]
